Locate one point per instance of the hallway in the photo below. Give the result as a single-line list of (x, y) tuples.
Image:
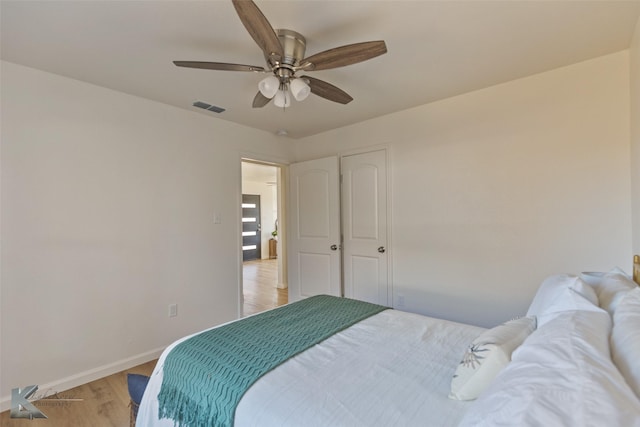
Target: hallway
[(259, 286)]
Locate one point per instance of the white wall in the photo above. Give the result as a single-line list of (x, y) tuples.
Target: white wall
[(635, 136), (107, 218), (107, 206), (496, 189)]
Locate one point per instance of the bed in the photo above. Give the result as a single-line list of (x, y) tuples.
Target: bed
[(572, 359)]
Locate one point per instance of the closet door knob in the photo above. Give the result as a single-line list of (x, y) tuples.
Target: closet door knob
[(381, 249), (334, 247)]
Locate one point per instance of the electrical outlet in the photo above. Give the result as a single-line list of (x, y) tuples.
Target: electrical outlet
[(400, 301), (173, 310)]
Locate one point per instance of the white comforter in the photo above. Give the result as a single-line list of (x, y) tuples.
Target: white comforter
[(393, 368)]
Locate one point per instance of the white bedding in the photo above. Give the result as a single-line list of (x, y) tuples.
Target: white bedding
[(562, 375), (393, 368)]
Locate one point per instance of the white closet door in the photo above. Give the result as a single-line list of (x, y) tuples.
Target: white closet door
[(314, 238), (364, 223)]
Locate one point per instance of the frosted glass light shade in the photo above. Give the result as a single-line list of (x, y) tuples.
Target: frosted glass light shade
[(300, 89), (282, 99), (269, 86)]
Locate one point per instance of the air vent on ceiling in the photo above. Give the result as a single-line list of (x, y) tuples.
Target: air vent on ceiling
[(209, 107)]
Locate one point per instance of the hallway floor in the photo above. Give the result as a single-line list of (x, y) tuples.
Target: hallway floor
[(260, 278)]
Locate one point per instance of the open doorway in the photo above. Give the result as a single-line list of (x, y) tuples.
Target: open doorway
[(264, 284)]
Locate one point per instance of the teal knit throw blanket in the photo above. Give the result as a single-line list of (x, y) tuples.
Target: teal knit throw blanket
[(206, 376)]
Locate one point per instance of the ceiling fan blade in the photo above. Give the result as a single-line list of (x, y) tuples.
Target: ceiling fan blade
[(328, 91), (344, 55), (223, 66), (258, 27), (260, 100)]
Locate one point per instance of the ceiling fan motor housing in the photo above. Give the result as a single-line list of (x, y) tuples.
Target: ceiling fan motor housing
[(294, 46)]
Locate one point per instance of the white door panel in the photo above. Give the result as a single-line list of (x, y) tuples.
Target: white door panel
[(314, 267), (362, 182), (314, 274), (364, 277), (314, 204), (364, 221)]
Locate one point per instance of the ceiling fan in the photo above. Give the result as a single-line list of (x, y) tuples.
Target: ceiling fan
[(284, 51)]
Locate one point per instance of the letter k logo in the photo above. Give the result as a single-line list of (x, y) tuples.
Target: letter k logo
[(21, 407)]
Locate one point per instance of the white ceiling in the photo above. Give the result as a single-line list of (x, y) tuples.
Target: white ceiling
[(436, 49), (259, 173)]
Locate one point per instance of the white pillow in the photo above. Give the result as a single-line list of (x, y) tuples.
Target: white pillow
[(615, 284), (593, 278), (487, 355), (562, 293), (585, 291), (625, 338), (562, 375)]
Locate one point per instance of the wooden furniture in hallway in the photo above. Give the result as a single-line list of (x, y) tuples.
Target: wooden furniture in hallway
[(273, 248)]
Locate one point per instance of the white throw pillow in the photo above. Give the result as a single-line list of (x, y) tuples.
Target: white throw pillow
[(562, 375), (625, 338), (615, 284), (562, 293), (487, 355)]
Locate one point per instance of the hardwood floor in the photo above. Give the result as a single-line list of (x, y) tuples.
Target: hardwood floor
[(260, 278), (105, 402)]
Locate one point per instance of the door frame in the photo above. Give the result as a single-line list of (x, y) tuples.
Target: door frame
[(282, 188)]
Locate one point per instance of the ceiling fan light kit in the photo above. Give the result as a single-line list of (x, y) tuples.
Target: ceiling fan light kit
[(284, 52), (282, 99), (269, 86), (300, 89), (272, 87)]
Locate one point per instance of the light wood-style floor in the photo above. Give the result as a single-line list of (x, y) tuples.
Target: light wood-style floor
[(105, 402), (260, 278)]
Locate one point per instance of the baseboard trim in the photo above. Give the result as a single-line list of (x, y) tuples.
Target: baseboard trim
[(72, 381)]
